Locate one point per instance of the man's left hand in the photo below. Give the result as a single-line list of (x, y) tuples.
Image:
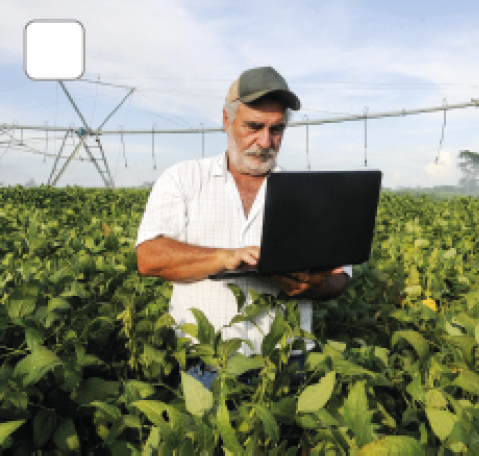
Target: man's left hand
[(319, 285)]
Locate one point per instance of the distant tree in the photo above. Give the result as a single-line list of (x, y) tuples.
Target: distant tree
[(31, 183), (470, 169)]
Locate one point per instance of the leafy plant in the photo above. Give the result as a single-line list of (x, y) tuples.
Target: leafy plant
[(91, 363)]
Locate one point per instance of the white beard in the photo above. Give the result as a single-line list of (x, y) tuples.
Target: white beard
[(252, 161)]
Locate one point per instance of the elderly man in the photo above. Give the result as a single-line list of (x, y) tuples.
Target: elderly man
[(204, 216)]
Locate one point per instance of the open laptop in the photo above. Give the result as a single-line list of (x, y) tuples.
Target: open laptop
[(315, 221)]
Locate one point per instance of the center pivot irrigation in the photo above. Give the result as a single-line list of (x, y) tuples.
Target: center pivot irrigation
[(86, 132)]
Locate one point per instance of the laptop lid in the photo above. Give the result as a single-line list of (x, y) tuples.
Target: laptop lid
[(318, 220)]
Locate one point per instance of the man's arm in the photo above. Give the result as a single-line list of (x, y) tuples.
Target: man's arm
[(180, 262), (321, 285)]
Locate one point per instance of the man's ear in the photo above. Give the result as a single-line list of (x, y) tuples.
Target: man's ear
[(226, 121)]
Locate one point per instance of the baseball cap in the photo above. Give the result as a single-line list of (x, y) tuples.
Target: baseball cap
[(258, 82)]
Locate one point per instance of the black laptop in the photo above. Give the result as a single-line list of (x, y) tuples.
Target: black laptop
[(315, 221)]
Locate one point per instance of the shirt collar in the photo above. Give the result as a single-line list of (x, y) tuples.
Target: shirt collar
[(220, 167)]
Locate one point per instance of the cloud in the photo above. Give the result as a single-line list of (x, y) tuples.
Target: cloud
[(441, 168), (340, 57)]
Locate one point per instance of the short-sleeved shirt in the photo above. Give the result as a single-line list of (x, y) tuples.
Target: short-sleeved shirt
[(198, 202)]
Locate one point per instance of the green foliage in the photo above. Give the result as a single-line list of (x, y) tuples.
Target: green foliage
[(91, 364)]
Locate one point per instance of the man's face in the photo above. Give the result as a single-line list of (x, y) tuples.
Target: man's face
[(254, 137)]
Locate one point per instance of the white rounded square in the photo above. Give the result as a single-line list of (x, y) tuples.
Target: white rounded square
[(54, 49)]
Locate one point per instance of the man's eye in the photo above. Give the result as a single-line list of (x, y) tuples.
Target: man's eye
[(277, 129), (255, 126)]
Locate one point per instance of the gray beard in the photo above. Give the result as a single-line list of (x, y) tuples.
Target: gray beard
[(238, 158)]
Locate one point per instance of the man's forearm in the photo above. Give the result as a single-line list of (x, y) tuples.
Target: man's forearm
[(177, 261)]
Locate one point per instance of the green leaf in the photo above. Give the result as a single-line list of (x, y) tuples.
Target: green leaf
[(340, 346), (435, 399), (58, 304), (441, 421), (19, 399), (22, 300), (165, 320), (135, 390), (9, 428), (238, 364), (154, 411), (123, 448), (152, 355), (239, 295), (465, 343), (316, 420), (315, 397), (35, 365), (275, 334), (413, 290), (206, 330), (284, 410), (460, 437), (357, 416), (226, 431), (314, 360), (65, 436), (345, 367), (205, 438), (33, 337), (189, 328), (44, 423), (153, 441), (453, 330), (109, 411), (250, 312), (271, 427), (450, 254), (415, 339), (198, 399), (415, 389), (95, 389), (228, 347), (468, 381), (393, 444), (388, 419)]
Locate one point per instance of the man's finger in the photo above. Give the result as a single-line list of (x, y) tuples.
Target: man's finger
[(254, 251)]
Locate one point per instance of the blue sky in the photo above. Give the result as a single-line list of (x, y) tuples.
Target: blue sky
[(339, 57)]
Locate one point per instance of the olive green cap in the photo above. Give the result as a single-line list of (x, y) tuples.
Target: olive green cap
[(258, 82)]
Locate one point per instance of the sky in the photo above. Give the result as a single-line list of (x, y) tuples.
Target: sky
[(341, 58)]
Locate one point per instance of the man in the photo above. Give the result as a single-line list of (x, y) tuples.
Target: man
[(204, 216)]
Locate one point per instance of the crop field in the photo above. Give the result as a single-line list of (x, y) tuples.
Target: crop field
[(90, 363)]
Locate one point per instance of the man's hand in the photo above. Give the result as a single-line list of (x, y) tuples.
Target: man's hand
[(242, 258), (181, 262), (317, 285)]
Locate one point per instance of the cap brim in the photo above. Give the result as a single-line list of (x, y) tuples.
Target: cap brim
[(289, 98)]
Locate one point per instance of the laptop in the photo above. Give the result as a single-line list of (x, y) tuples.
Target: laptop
[(315, 221)]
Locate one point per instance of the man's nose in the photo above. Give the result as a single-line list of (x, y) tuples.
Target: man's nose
[(265, 138)]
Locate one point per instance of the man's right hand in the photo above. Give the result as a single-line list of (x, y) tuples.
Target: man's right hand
[(181, 262), (242, 258)]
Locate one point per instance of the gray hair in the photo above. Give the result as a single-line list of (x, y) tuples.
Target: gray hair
[(231, 108)]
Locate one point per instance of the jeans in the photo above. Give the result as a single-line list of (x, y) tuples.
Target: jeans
[(206, 377)]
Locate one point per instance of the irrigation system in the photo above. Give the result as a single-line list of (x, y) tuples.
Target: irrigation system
[(86, 132)]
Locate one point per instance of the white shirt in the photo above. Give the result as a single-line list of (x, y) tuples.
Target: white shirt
[(197, 202)]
